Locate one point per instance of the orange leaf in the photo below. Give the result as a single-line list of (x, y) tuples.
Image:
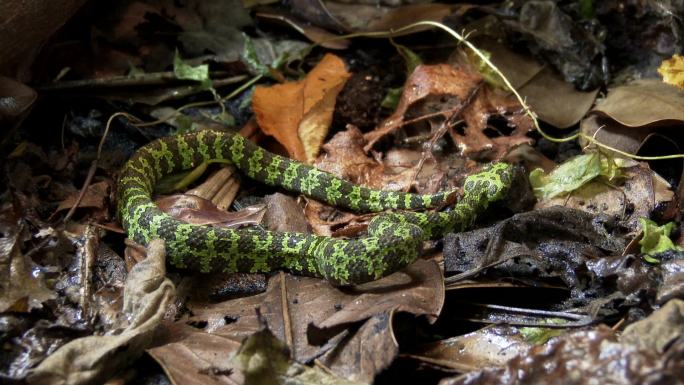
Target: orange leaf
[(298, 114)]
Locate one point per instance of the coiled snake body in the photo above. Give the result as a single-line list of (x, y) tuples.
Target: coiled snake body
[(393, 239)]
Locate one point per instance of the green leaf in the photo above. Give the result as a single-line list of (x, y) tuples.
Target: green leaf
[(392, 97), (567, 177), (411, 59), (251, 59), (539, 335), (134, 71), (656, 239), (587, 8), (574, 173), (185, 71)]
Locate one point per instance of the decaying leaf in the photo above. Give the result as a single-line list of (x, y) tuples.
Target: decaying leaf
[(672, 71), (656, 239), (544, 243), (211, 26), (449, 92), (344, 156), (298, 114), (22, 285), (428, 80)]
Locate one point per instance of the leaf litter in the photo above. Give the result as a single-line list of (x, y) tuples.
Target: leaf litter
[(587, 282)]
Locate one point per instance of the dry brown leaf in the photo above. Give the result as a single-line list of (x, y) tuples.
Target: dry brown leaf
[(25, 27), (643, 102), (298, 114), (550, 97), (317, 35), (344, 156), (630, 114), (556, 101), (284, 214), (96, 196), (311, 309)]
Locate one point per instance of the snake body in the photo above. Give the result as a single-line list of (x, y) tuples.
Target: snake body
[(393, 240)]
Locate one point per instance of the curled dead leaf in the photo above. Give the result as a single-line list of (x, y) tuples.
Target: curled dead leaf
[(199, 211)]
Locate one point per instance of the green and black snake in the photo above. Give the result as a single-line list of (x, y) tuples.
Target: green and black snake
[(393, 240)]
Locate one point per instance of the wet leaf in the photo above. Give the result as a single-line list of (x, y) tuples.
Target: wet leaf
[(591, 355), (656, 239), (22, 285), (298, 114), (15, 99), (489, 346), (672, 71), (94, 359)]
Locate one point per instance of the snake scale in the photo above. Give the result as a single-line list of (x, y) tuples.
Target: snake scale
[(393, 240)]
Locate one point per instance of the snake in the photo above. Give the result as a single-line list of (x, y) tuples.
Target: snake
[(393, 239)]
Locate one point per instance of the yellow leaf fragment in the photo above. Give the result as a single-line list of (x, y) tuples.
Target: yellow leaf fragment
[(672, 71)]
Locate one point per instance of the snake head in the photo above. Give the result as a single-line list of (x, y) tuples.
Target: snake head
[(491, 184)]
